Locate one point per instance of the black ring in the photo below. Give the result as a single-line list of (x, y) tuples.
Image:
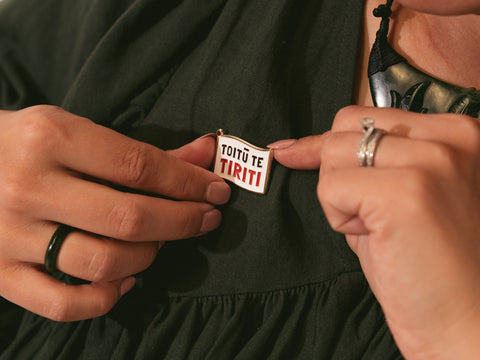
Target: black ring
[(54, 246)]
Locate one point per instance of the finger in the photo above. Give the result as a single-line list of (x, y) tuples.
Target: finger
[(102, 210), (85, 147), (340, 151), (98, 259), (85, 255), (349, 195), (199, 152), (301, 154), (48, 297), (457, 130)]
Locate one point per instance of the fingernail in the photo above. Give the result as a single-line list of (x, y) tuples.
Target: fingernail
[(127, 285), (218, 193), (211, 220), (282, 144)]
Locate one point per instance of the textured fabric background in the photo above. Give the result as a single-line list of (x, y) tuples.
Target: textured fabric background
[(274, 282)]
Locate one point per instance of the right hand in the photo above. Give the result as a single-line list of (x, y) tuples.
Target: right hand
[(55, 168)]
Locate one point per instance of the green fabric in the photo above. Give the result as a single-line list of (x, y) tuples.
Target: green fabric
[(274, 282)]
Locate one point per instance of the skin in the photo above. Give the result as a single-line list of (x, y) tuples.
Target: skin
[(442, 7), (418, 247), (413, 218), (54, 171)]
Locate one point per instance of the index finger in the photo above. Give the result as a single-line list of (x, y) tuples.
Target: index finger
[(301, 154), (103, 153)]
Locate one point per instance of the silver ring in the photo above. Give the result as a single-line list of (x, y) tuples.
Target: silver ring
[(372, 146), (368, 143), (368, 126)]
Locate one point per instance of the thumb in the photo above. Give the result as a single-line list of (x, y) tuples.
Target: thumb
[(301, 154), (199, 152)]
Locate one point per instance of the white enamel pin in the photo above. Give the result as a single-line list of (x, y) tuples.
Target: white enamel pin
[(244, 164)]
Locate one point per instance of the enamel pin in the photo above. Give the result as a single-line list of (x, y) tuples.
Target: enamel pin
[(244, 164)]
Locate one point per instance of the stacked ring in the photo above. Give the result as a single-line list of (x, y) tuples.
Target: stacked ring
[(54, 246), (368, 143)]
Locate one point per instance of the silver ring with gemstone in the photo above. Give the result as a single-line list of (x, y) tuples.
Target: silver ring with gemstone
[(368, 144)]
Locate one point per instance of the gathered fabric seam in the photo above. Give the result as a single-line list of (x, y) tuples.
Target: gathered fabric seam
[(290, 290)]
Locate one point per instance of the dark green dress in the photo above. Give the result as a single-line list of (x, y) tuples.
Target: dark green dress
[(274, 282)]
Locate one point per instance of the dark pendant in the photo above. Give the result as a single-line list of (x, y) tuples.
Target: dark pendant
[(395, 83)]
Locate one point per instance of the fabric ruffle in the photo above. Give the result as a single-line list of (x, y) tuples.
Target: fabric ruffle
[(316, 321)]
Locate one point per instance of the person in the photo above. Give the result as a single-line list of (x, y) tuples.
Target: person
[(271, 279), (413, 218)]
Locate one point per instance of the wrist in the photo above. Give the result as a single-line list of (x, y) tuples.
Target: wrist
[(458, 341)]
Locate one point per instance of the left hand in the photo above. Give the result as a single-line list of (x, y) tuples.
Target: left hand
[(59, 168), (413, 220)]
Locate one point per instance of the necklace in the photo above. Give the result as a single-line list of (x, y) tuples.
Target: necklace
[(395, 83)]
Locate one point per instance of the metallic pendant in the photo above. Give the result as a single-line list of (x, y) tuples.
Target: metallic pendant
[(242, 163), (404, 87), (395, 83)]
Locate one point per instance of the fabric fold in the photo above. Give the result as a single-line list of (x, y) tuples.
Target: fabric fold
[(299, 323)]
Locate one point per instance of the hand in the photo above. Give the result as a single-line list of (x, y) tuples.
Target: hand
[(413, 220), (56, 167)]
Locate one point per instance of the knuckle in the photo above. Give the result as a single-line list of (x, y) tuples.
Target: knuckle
[(328, 143), (444, 157), (36, 133), (101, 264), (440, 152), (344, 116), (41, 111), (102, 305), (103, 302), (13, 192), (58, 308), (151, 253), (470, 128), (148, 255), (134, 165), (418, 185), (39, 129), (323, 188), (62, 305), (191, 224), (182, 185), (12, 189), (127, 221), (329, 149)]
